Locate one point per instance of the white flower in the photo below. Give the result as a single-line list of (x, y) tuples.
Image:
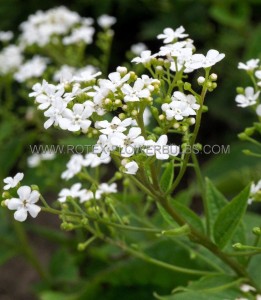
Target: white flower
[(255, 188), (106, 21), (176, 50), (74, 192), (131, 168), (247, 288), (106, 189), (200, 61), (79, 34), (12, 182), (115, 81), (249, 98), (93, 160), (104, 146), (258, 110), (144, 58), (138, 48), (34, 160), (55, 114), (116, 125), (74, 166), (10, 59), (86, 76), (64, 74), (128, 142), (6, 36), (32, 68), (250, 65), (76, 119), (133, 94), (169, 35), (160, 148), (189, 99), (258, 76), (50, 94), (181, 106), (24, 204)]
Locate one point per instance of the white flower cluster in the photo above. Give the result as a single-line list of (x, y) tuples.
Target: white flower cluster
[(10, 59), (84, 195), (79, 102), (42, 27), (250, 95), (35, 159), (27, 198)]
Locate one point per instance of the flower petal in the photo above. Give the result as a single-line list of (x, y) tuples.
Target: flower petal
[(20, 215), (24, 192), (34, 210)]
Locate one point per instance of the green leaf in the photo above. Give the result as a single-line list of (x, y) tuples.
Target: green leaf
[(167, 177), (230, 217), (63, 267), (189, 215), (215, 202)]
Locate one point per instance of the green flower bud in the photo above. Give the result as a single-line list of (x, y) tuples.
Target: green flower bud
[(242, 136), (187, 86), (249, 131), (35, 187), (240, 90), (256, 230)]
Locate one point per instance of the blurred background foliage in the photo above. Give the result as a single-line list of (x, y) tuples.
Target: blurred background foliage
[(231, 26)]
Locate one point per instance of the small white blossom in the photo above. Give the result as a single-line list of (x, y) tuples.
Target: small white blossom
[(80, 34), (247, 288), (24, 204), (138, 48), (106, 21), (105, 189), (250, 65), (116, 125), (258, 76), (128, 142), (76, 119), (131, 168), (12, 182), (55, 115), (115, 80), (93, 160), (169, 35), (258, 110), (6, 36), (135, 93), (160, 148), (74, 192), (201, 61), (144, 58), (249, 98), (255, 188), (33, 68), (74, 166)]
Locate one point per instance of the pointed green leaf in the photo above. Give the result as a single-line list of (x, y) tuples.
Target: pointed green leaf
[(215, 202), (167, 177), (230, 217), (189, 215)]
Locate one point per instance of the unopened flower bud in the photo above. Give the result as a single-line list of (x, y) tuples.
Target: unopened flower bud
[(187, 86), (213, 77), (176, 125), (35, 187), (124, 107), (122, 116), (118, 102), (122, 70), (192, 121), (6, 195), (134, 113), (201, 80), (161, 117), (240, 90), (242, 136), (124, 161), (249, 131), (107, 101)]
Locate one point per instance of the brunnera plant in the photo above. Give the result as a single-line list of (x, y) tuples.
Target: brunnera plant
[(129, 176)]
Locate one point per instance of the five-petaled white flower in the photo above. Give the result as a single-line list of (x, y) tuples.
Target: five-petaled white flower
[(24, 204), (74, 192), (249, 98), (12, 182)]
